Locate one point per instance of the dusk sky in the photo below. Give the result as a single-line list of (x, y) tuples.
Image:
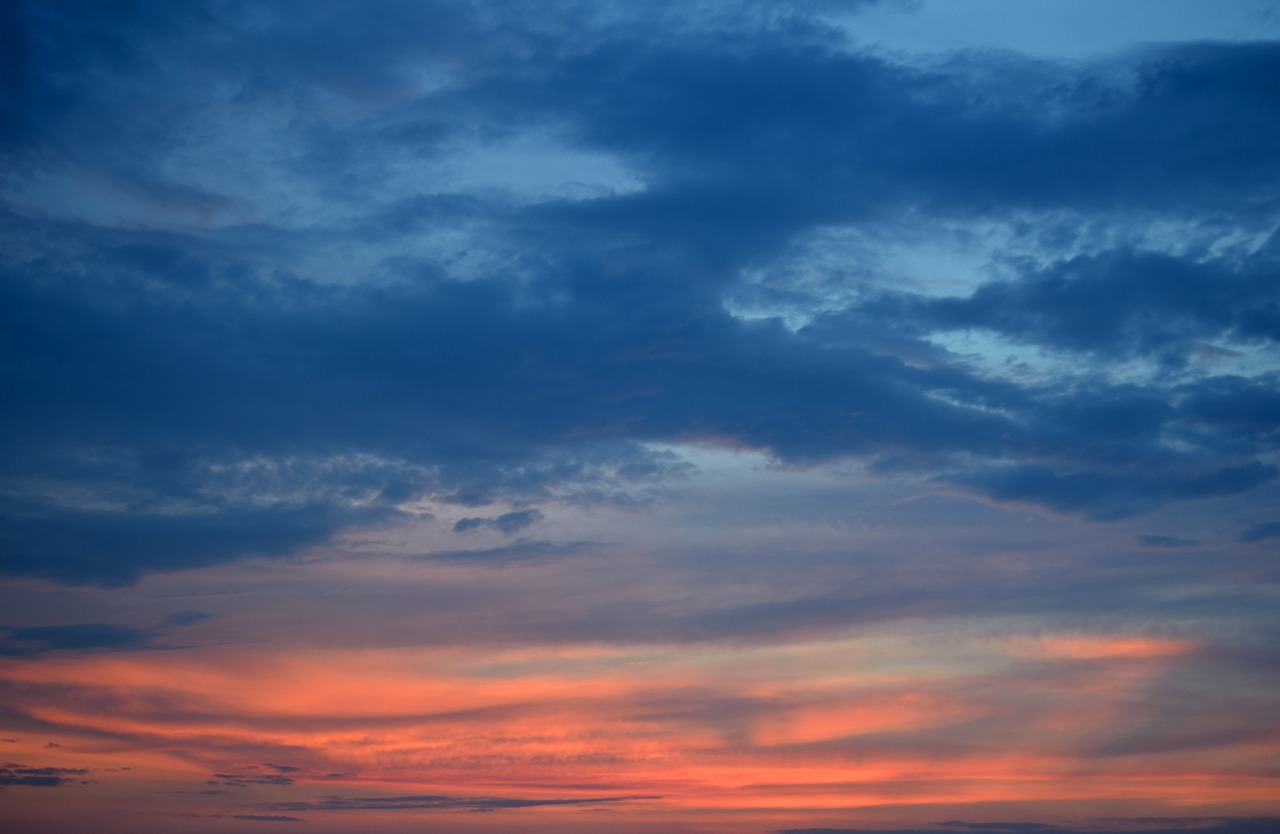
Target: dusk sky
[(593, 416)]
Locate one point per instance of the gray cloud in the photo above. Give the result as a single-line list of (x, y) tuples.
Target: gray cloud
[(1146, 825), (520, 551), (1270, 530), (507, 523), (1167, 542)]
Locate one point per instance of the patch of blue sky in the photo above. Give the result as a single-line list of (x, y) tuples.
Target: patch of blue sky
[(991, 355), (829, 269), (1053, 29), (534, 167)]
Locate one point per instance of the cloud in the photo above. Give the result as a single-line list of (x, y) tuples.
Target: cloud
[(1236, 412), (507, 523), (520, 551), (283, 768), (115, 547), (1167, 542), (20, 775), (82, 638), (79, 637), (1147, 825), (1108, 496), (272, 371), (1119, 304), (186, 618), (242, 780), (409, 803), (266, 818), (998, 826), (1269, 530)]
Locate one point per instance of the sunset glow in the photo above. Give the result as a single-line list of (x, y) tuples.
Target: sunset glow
[(640, 417)]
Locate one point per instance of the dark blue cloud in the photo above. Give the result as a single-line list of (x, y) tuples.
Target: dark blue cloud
[(20, 775), (507, 523), (744, 142), (1110, 496), (184, 618), (1167, 542), (243, 780), (112, 547), (1231, 412), (1119, 304), (185, 392), (90, 637), (521, 551), (79, 637), (1270, 530)]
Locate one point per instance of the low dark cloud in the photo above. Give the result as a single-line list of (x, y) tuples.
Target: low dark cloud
[(243, 780), (507, 523), (1119, 304), (430, 802), (266, 773), (186, 618), (1167, 542), (520, 551), (79, 637), (279, 768), (1270, 530), (266, 818), (999, 826), (19, 775), (1134, 825), (115, 547), (92, 637), (1105, 495)]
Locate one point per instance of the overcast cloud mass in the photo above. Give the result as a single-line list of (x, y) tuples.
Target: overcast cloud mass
[(709, 416)]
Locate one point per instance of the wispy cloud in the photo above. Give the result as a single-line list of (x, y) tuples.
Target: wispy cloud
[(425, 803)]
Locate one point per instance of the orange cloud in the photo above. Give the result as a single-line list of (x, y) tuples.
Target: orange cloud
[(1098, 647), (760, 728)]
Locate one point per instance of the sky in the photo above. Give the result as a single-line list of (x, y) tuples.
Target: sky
[(710, 417)]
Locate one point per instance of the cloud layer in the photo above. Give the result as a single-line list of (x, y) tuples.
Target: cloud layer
[(210, 358)]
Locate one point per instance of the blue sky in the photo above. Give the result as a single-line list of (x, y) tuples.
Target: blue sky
[(527, 346)]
